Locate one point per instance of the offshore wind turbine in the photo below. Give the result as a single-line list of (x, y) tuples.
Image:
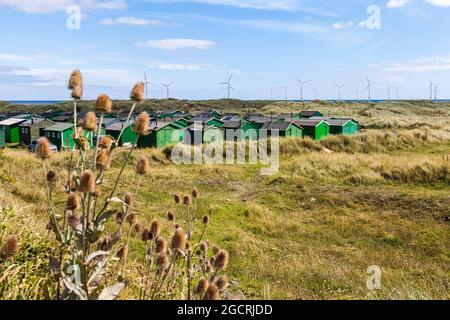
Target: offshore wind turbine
[(357, 94), (369, 87), (286, 91), (431, 89), (396, 92), (168, 88), (302, 83), (435, 92), (228, 86), (315, 90), (146, 83), (339, 86), (388, 91)]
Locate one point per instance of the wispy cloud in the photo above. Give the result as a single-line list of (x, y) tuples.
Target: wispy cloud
[(424, 64), (439, 3), (397, 3), (294, 27), (49, 6), (166, 66), (129, 20), (176, 44), (12, 57)]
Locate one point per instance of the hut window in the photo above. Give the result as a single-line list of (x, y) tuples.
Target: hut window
[(58, 135)]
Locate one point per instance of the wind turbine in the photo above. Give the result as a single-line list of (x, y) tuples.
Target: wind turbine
[(357, 94), (431, 89), (388, 91), (146, 85), (316, 90), (339, 86), (396, 92), (302, 83), (435, 92), (168, 88), (286, 91), (369, 87), (228, 86)]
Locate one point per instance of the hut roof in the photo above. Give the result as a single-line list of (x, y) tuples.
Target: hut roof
[(309, 123), (338, 122), (276, 125), (309, 113), (117, 126), (11, 121), (60, 127)]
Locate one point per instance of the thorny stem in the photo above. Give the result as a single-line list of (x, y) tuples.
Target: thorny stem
[(165, 276), (75, 117)]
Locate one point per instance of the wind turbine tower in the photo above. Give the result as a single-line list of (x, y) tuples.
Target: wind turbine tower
[(167, 88), (228, 86), (339, 86), (369, 88), (316, 90), (302, 83), (146, 82), (388, 91)]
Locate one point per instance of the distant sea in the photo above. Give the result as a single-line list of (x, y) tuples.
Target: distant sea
[(33, 102)]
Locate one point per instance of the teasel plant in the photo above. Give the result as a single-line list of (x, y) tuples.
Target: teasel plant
[(83, 256), (182, 268)]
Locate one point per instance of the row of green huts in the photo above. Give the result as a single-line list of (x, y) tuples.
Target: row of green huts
[(171, 127)]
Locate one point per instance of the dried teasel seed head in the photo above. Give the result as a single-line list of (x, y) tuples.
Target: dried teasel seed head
[(119, 217), (43, 150), (10, 248), (87, 182), (208, 267), (195, 193), (187, 200), (77, 92), (106, 142), (179, 240), (103, 244), (162, 261), (132, 218), (73, 221), (48, 226), (211, 260), (145, 233), (222, 282), (205, 219), (203, 246), (90, 121), (170, 215), (188, 245), (76, 79), (138, 227), (212, 293), (143, 166), (103, 104), (141, 124), (155, 228), (177, 198), (103, 158), (216, 250), (123, 251), (221, 260), (176, 226), (51, 176), (129, 199), (161, 245), (202, 286), (73, 202), (137, 93)]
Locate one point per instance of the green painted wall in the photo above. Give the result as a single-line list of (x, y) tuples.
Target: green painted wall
[(214, 122), (349, 128), (128, 136), (162, 138), (2, 137), (317, 133), (11, 133), (294, 132)]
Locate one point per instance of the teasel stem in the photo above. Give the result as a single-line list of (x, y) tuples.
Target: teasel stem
[(98, 141), (126, 122), (125, 258), (113, 191), (149, 267), (69, 173), (75, 117), (160, 282)]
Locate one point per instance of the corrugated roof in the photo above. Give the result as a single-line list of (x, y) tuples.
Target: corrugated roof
[(232, 125), (60, 127), (34, 121), (338, 122), (11, 121), (309, 123), (276, 125), (309, 113), (118, 126)]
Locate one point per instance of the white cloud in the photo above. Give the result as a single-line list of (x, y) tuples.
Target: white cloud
[(425, 64), (439, 3), (134, 21), (48, 6), (175, 44), (285, 26), (13, 57), (176, 67), (343, 25), (285, 5), (397, 3)]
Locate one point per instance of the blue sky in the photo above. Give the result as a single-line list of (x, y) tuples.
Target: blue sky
[(199, 43)]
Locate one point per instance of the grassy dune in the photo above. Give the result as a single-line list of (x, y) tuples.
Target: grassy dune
[(311, 231)]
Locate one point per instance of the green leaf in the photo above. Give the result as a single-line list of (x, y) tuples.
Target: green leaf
[(95, 255)]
